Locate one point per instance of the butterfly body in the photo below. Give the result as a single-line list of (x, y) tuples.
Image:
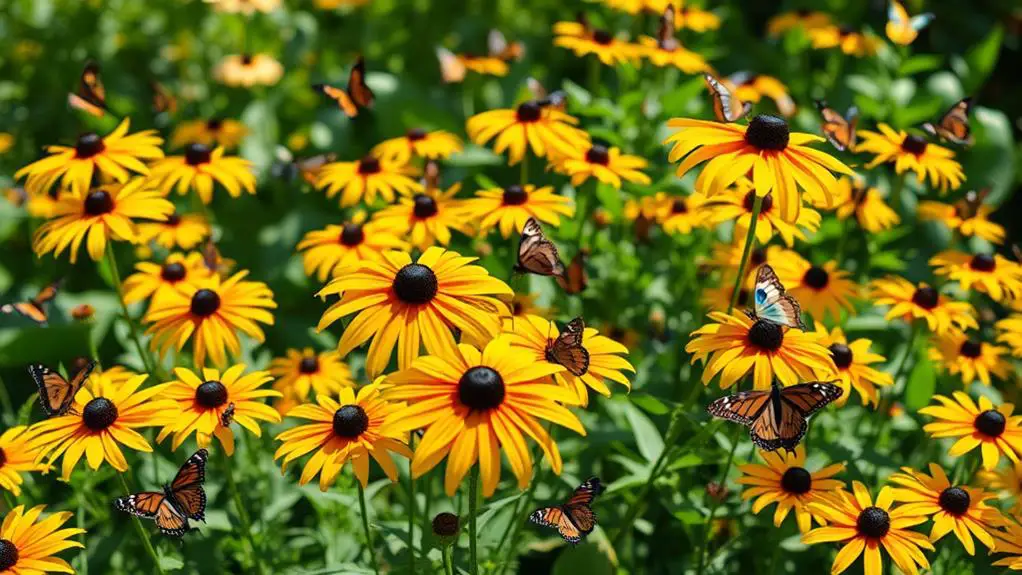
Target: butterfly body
[(566, 349), (91, 95), (183, 499), (900, 27), (575, 518), (779, 417), (953, 126), (770, 303), (839, 130), (227, 417), (57, 394)]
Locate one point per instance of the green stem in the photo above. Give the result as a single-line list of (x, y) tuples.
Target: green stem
[(9, 499), (5, 401), (843, 240), (116, 276), (896, 193), (884, 403), (525, 169), (473, 503), (516, 522), (146, 542), (594, 75), (411, 512), (448, 559), (365, 527), (750, 238), (246, 522), (83, 567)]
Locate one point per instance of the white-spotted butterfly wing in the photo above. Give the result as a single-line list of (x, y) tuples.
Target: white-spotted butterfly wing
[(726, 107), (57, 394), (180, 501), (779, 417), (771, 303)]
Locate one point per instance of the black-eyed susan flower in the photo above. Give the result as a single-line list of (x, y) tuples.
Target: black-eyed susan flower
[(992, 274), (605, 163), (543, 128), (213, 311), (214, 132), (734, 345), (993, 429), (680, 214), (116, 156), (198, 401), (1006, 482), (854, 363), (863, 527), (911, 152), (153, 280), (17, 456), (1008, 539), (105, 414), (671, 53), (1009, 331), (302, 371), (351, 428), (412, 305), (247, 70), (509, 208), (583, 39), (966, 355), (438, 144), (645, 207), (536, 336), (29, 546), (779, 160), (366, 178), (474, 404), (524, 304), (336, 246), (958, 508), (687, 16), (736, 205), (909, 302), (103, 214), (805, 19), (426, 218), (964, 219), (244, 6), (785, 480), (853, 196), (184, 231), (849, 40), (200, 168), (629, 6), (822, 290)]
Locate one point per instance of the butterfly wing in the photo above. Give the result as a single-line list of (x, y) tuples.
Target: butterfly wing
[(189, 496), (897, 15), (743, 407), (227, 417), (56, 394), (452, 69), (91, 87), (339, 96), (575, 278), (772, 304), (954, 125), (585, 493), (726, 107), (810, 397), (146, 504), (170, 520), (536, 254), (496, 44), (665, 32), (359, 92), (835, 127), (567, 349), (163, 100), (27, 309), (784, 421), (557, 518)]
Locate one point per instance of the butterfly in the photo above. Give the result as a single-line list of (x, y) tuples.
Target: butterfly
[(567, 348), (57, 394), (499, 47), (431, 175), (536, 254), (91, 95), (227, 417), (726, 107), (356, 95), (954, 124), (215, 262), (575, 278), (900, 28), (770, 303), (34, 308), (776, 418), (163, 100), (967, 207), (574, 519), (180, 501), (287, 167), (665, 33), (452, 68), (16, 195), (839, 130)]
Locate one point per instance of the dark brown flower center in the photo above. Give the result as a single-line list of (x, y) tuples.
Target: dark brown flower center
[(766, 335), (797, 480), (983, 263), (767, 132), (173, 272), (914, 145), (528, 112), (602, 37), (816, 278), (88, 145), (99, 202), (845, 30), (309, 365), (873, 522), (352, 234), (971, 349), (8, 555), (99, 414), (750, 199), (598, 154), (211, 394), (197, 154), (481, 388), (205, 302), (415, 284), (758, 255), (172, 220), (515, 195), (678, 206), (990, 423), (446, 524), (955, 500), (416, 134), (425, 206), (368, 166), (350, 421), (926, 297), (214, 124), (841, 354), (246, 59)]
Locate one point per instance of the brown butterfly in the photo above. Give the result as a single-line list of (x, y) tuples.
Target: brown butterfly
[(839, 130), (57, 394), (575, 278), (726, 107), (355, 96), (566, 349), (34, 308), (163, 100), (575, 518), (431, 175), (536, 254), (227, 417), (954, 124), (557, 99), (501, 49), (180, 501), (91, 95), (665, 33), (967, 207)]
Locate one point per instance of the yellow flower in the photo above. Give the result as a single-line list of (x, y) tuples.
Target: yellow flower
[(427, 218), (969, 358), (821, 290), (1010, 332), (582, 39), (846, 38), (1007, 482), (854, 366), (509, 208), (672, 53), (852, 196), (910, 302), (183, 231), (28, 547), (994, 430), (992, 274), (681, 214), (785, 480), (748, 87), (805, 19), (222, 132), (155, 280), (964, 218), (539, 126), (305, 370), (473, 404), (17, 456), (248, 70), (244, 6), (1007, 541), (605, 163), (332, 4), (691, 17), (430, 145), (367, 177), (6, 142), (336, 246), (199, 168), (911, 152), (736, 205)]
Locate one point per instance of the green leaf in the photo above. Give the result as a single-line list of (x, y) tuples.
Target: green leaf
[(647, 437), (920, 63), (610, 199), (649, 404), (982, 58), (585, 558), (922, 382)]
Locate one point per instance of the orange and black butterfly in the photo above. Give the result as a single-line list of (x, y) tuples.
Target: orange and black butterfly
[(34, 309), (180, 501), (57, 394), (726, 107), (778, 417), (355, 96), (567, 348), (574, 519), (839, 130), (575, 278), (536, 254), (501, 49), (953, 126), (91, 95), (968, 207), (227, 417), (163, 100)]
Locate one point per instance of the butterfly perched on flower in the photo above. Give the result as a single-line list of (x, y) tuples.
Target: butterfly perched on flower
[(536, 254), (91, 95), (770, 303), (575, 278), (574, 519), (34, 309), (227, 417), (57, 393), (355, 95), (557, 100), (968, 207), (953, 126), (566, 349), (900, 28), (839, 130), (180, 501), (779, 417), (726, 106)]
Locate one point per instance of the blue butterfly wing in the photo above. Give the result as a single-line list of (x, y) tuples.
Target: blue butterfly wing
[(772, 304)]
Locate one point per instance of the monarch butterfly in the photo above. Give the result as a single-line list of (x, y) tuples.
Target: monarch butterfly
[(536, 254), (567, 348), (163, 100), (726, 107), (499, 47), (34, 308), (574, 519), (776, 418), (356, 95), (839, 130), (900, 28), (91, 95), (180, 501), (954, 124), (967, 207), (56, 394), (575, 278), (227, 417), (770, 303), (665, 33)]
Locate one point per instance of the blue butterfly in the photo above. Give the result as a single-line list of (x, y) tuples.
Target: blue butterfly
[(770, 303)]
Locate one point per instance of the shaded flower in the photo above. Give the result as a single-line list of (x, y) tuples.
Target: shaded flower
[(434, 145), (805, 19), (969, 357), (850, 41), (964, 219), (184, 231), (305, 370), (1010, 332), (1006, 482), (680, 214), (663, 54), (17, 456), (852, 196), (605, 163), (247, 70), (214, 132)]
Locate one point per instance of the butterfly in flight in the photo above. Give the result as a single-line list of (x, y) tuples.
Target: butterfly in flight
[(501, 49), (770, 303), (56, 393), (574, 519), (91, 95), (778, 417), (902, 29), (575, 278), (566, 349), (163, 100), (968, 207), (536, 254), (34, 309), (287, 167), (665, 33), (180, 501), (726, 107), (355, 96), (953, 126), (839, 130)]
